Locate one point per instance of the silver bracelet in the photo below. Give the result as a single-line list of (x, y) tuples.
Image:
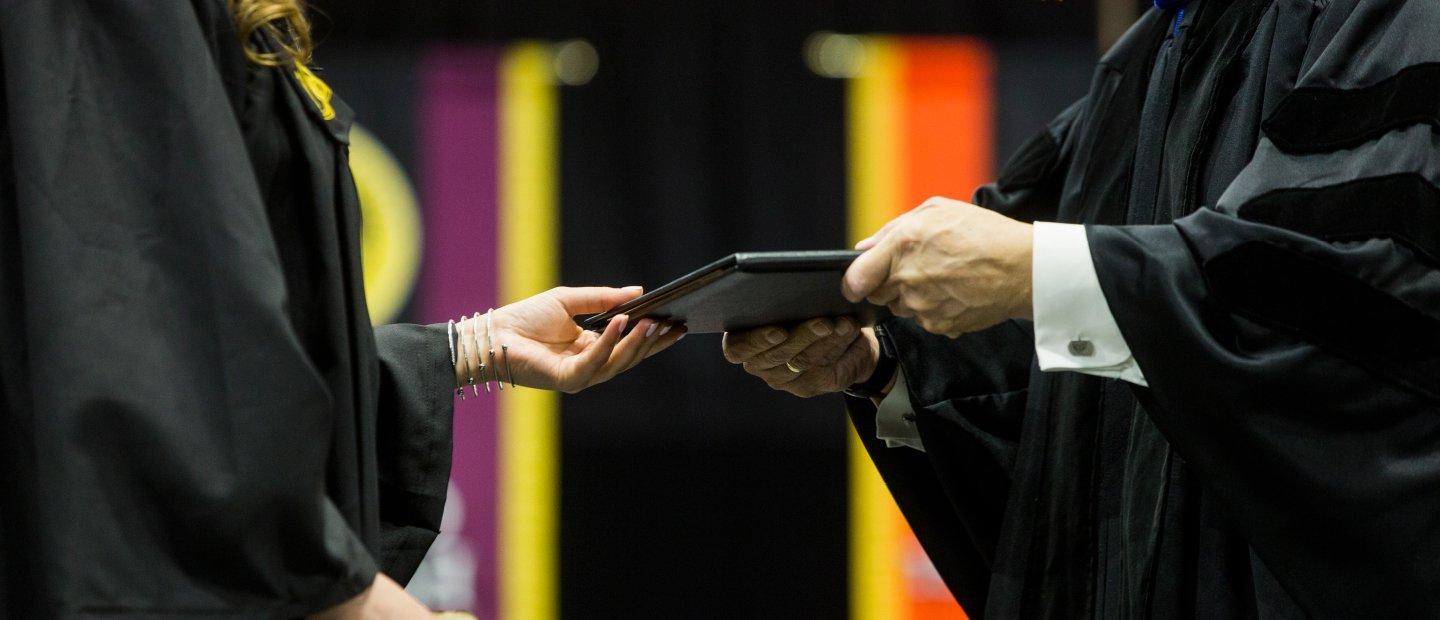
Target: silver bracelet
[(505, 353), (450, 340), (490, 347), (470, 367), (504, 356), (479, 353)]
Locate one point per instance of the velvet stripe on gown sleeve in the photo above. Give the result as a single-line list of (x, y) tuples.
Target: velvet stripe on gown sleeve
[(1291, 335)]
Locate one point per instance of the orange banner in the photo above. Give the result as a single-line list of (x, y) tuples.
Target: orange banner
[(920, 124)]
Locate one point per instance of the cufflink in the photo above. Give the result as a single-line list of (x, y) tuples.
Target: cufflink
[(1081, 348)]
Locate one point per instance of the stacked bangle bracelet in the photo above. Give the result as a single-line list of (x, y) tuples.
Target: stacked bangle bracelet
[(463, 346)]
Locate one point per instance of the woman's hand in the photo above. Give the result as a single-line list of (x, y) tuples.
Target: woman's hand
[(549, 351), (383, 599)]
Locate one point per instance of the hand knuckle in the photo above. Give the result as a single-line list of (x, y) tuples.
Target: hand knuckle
[(906, 239), (914, 301)]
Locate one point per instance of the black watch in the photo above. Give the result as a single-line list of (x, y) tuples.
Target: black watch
[(874, 387)]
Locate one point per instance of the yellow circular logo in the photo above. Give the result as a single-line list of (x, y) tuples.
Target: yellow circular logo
[(390, 236)]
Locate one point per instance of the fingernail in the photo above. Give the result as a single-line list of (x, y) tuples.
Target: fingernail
[(651, 330), (635, 288), (775, 336), (623, 320), (843, 327), (820, 329), (682, 336), (665, 330)]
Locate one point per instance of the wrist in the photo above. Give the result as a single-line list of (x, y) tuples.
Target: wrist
[(456, 335), (1023, 261), (890, 385), (881, 379), (502, 321), (479, 350)]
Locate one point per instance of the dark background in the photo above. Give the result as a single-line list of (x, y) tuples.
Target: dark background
[(689, 489)]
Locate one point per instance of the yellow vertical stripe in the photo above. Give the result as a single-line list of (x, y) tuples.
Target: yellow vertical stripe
[(529, 419), (873, 126), (874, 130)]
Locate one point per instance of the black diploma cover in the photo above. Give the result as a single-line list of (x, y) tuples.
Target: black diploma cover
[(750, 289)]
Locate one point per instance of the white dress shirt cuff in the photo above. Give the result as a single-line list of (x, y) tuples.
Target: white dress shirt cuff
[(895, 418), (1074, 328)]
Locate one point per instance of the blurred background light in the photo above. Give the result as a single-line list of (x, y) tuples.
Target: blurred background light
[(576, 62), (391, 239), (835, 55)]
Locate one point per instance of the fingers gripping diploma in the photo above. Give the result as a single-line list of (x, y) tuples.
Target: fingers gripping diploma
[(548, 350), (819, 356), (952, 266)]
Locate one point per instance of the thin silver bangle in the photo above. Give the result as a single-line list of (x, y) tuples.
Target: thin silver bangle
[(479, 354), (450, 340), (490, 345), (469, 368), (505, 353)]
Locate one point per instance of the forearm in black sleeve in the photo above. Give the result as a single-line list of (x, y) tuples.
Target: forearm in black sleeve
[(415, 440)]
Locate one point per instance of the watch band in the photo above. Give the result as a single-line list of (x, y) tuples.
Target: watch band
[(874, 387)]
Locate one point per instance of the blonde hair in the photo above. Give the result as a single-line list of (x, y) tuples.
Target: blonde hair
[(286, 24)]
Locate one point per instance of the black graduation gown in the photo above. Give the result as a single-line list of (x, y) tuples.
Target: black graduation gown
[(196, 416), (1267, 235)]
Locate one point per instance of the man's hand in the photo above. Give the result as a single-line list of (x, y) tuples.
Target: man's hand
[(820, 356), (952, 266)]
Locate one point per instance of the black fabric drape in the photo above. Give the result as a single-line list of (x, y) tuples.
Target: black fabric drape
[(1279, 464), (192, 389)]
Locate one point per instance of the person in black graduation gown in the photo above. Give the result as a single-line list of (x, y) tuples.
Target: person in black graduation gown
[(1228, 401), (196, 416)]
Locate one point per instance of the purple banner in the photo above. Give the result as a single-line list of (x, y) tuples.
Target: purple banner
[(457, 180)]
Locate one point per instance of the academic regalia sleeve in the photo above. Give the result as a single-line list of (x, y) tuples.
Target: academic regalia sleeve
[(912, 481), (1291, 336), (414, 439), (173, 434)]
